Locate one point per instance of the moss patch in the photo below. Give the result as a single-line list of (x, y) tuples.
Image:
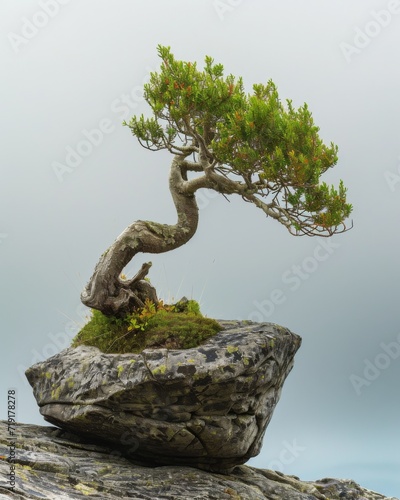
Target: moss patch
[(172, 327), (85, 489)]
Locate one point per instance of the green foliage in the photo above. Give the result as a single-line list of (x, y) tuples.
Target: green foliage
[(179, 326), (186, 99), (273, 148)]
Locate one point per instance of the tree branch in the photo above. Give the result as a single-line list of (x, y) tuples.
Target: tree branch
[(138, 276), (192, 166)]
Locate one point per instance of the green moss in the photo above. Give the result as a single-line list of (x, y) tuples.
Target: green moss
[(170, 433), (55, 393), (86, 490), (231, 349), (120, 370), (70, 382), (173, 327), (104, 470), (160, 369), (22, 469)]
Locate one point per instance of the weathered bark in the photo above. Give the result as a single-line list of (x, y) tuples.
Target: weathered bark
[(110, 294)]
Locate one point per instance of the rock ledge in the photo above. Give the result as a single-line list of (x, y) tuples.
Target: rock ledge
[(55, 465)]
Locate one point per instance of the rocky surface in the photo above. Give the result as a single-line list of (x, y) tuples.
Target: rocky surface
[(206, 407), (53, 464)]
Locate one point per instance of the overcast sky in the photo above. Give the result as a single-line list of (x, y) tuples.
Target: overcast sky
[(72, 68)]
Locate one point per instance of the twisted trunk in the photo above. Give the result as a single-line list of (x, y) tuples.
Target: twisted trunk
[(110, 294)]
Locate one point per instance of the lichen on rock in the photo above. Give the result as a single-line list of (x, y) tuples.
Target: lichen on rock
[(207, 407)]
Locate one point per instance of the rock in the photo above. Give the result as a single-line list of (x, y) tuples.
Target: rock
[(53, 464), (206, 407)]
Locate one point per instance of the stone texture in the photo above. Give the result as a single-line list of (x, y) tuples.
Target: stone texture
[(55, 465), (206, 407)]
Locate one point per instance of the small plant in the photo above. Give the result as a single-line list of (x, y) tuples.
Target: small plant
[(176, 326)]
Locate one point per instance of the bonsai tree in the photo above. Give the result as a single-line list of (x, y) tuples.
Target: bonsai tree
[(252, 145)]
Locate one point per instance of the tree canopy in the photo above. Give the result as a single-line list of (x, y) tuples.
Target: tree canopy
[(251, 144)]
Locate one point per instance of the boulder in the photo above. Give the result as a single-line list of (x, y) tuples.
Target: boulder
[(206, 407), (53, 464)]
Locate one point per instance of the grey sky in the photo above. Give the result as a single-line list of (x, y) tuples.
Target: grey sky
[(80, 67)]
